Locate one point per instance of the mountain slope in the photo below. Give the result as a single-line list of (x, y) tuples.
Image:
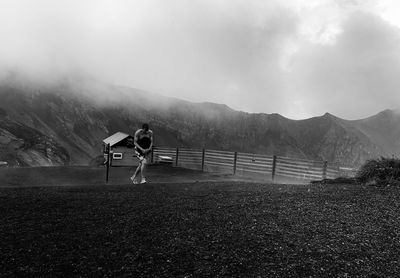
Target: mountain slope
[(64, 123), (383, 129)]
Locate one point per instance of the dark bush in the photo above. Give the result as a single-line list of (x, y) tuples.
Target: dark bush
[(383, 171)]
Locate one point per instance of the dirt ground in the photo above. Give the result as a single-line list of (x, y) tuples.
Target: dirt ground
[(83, 175), (195, 229)]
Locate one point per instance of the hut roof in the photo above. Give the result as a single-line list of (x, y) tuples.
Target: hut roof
[(115, 138)]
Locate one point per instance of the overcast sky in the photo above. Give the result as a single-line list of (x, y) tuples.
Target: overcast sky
[(297, 58)]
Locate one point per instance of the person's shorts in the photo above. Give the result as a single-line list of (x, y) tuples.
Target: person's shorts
[(139, 154)]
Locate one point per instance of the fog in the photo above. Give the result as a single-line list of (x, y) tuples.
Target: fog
[(296, 58)]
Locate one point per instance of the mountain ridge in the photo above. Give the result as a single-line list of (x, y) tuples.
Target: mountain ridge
[(67, 122)]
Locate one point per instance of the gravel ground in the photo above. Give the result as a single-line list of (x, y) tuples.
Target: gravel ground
[(200, 229), (84, 176)]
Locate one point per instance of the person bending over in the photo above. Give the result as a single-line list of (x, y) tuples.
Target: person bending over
[(143, 141)]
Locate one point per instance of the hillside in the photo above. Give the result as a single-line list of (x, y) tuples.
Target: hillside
[(64, 123), (383, 129)]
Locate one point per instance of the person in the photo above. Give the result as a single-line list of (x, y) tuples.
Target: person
[(143, 141)]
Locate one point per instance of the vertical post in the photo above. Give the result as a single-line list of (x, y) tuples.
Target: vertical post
[(234, 163), (274, 167), (108, 162), (152, 154), (176, 156), (203, 156), (324, 169)]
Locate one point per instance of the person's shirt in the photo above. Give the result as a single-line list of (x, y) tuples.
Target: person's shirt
[(144, 139)]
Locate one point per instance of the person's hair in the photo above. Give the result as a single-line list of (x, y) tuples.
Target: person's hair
[(145, 126)]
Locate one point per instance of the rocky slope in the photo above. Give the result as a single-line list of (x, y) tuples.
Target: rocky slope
[(64, 123)]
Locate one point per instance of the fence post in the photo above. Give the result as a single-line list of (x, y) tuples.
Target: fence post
[(324, 169), (152, 154), (234, 163), (202, 159), (176, 156), (274, 167), (108, 162)]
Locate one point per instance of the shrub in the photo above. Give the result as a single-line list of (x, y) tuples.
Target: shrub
[(383, 171)]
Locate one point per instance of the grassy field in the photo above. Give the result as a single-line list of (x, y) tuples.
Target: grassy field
[(197, 229)]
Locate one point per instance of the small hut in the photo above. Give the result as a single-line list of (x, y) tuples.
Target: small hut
[(121, 152)]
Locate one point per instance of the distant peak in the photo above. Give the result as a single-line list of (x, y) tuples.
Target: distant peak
[(215, 105), (329, 116), (386, 111), (390, 112), (277, 115)]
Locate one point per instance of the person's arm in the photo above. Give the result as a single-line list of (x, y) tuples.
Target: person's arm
[(151, 141), (136, 140)]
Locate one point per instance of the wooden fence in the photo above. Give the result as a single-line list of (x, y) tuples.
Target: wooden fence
[(248, 164)]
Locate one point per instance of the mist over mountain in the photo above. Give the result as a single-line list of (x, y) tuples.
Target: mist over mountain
[(64, 123)]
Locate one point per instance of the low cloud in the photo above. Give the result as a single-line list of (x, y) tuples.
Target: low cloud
[(300, 59), (356, 76)]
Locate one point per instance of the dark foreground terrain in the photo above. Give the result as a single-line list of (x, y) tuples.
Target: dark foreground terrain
[(200, 229)]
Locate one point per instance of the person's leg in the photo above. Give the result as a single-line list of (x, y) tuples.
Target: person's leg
[(143, 170), (138, 169)]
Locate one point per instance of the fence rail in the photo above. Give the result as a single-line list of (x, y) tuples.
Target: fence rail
[(247, 163)]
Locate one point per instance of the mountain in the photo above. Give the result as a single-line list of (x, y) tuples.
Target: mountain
[(64, 123), (383, 129)]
